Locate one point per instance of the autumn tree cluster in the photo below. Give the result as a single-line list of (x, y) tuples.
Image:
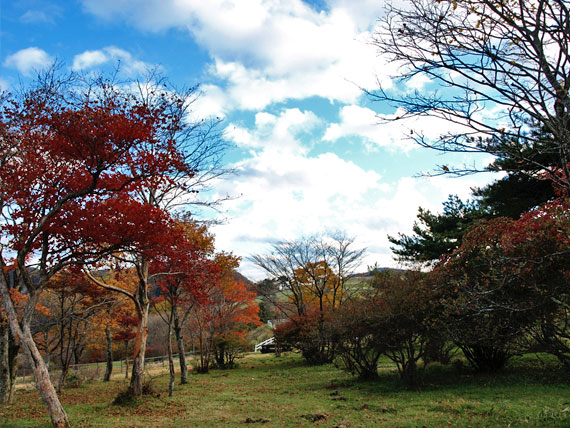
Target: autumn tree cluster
[(96, 179), (309, 278)]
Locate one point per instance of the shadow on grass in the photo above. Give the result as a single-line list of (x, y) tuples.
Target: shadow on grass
[(520, 372), (287, 360)]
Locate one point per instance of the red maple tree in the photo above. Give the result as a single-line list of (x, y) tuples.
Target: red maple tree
[(72, 156)]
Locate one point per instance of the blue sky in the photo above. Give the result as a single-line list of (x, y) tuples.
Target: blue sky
[(286, 76)]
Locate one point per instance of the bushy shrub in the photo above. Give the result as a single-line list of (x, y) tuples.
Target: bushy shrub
[(310, 333), (228, 348), (397, 319), (358, 349), (509, 282), (405, 320), (73, 380)]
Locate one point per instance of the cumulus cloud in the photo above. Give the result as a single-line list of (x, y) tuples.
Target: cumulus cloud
[(287, 192), (4, 85), (279, 132), (418, 82), (388, 130), (211, 102), (265, 52), (28, 60), (269, 51), (91, 59), (287, 196)]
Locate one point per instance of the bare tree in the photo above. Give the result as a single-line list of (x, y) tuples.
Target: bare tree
[(199, 140), (312, 268), (311, 273), (509, 57)]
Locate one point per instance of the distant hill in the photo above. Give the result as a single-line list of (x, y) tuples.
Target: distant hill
[(238, 277), (369, 273)]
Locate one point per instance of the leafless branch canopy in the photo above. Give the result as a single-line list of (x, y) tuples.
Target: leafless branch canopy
[(500, 66), (312, 269)]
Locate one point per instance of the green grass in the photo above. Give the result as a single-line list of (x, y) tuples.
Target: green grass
[(283, 392)]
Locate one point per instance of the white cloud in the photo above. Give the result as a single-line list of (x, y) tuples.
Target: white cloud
[(361, 11), (362, 122), (48, 14), (279, 133), (28, 60), (286, 193), (36, 16), (211, 102), (4, 85), (389, 130), (110, 54), (89, 59), (269, 51), (418, 82), (285, 197)]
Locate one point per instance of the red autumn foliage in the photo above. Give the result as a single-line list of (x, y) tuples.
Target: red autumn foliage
[(225, 314), (72, 158), (508, 282)]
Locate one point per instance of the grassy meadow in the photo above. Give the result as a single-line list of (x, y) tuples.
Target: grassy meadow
[(282, 391)]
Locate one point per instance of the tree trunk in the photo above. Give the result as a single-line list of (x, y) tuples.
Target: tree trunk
[(65, 355), (181, 352), (142, 304), (13, 350), (9, 348), (62, 377), (136, 386), (108, 355), (126, 359), (43, 383), (170, 360), (47, 392), (201, 353), (5, 387)]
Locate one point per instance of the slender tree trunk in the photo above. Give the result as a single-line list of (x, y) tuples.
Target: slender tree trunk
[(142, 304), (126, 359), (13, 350), (9, 348), (5, 387), (170, 360), (64, 357), (202, 362), (62, 377), (47, 392), (47, 350), (108, 354), (56, 411), (137, 376), (181, 352)]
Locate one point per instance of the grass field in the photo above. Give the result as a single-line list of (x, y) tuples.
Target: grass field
[(283, 392)]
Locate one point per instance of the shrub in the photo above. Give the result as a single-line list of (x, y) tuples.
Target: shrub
[(358, 350), (404, 321), (228, 348), (310, 333), (397, 319), (73, 380), (509, 282)]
